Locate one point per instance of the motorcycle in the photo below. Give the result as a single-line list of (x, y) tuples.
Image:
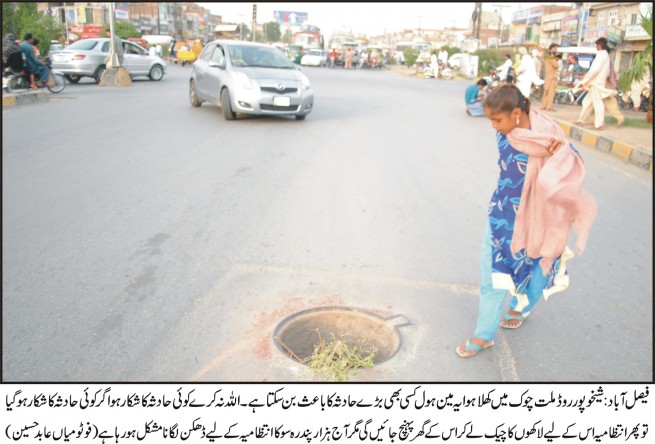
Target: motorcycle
[(444, 72), (19, 80), (625, 102), (492, 80)]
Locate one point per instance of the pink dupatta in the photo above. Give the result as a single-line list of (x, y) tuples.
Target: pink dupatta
[(552, 199)]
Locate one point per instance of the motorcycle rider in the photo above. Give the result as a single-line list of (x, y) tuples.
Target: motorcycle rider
[(443, 57), (34, 65), (12, 56), (504, 69)]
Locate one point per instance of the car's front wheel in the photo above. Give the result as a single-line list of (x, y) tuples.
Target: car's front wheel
[(226, 104), (156, 73), (193, 95)]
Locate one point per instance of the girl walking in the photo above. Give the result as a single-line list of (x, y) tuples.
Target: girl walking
[(538, 197)]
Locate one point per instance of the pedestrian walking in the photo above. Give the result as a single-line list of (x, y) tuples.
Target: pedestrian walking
[(595, 82), (550, 85), (172, 53), (434, 64), (348, 62), (526, 73), (538, 197)]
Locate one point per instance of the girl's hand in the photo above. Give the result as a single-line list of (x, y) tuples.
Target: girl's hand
[(554, 146)]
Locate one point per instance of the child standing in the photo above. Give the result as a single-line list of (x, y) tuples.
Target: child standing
[(538, 196)]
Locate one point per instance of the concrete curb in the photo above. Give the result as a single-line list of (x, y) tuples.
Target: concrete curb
[(634, 155), (22, 98)]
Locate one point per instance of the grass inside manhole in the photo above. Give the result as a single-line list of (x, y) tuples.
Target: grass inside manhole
[(339, 358)]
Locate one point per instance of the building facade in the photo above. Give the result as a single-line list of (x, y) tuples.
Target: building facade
[(184, 20)]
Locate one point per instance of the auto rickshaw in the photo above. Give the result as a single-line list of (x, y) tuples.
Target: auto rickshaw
[(295, 53), (188, 56)]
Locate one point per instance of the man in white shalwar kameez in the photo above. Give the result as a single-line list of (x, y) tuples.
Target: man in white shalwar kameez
[(595, 82), (526, 74)]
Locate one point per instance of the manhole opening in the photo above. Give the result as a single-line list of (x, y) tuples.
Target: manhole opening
[(298, 331)]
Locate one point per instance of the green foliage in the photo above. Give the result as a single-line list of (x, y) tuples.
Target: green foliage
[(411, 55), (22, 18), (630, 122), (287, 37), (643, 62), (272, 31), (489, 59), (391, 58), (451, 50), (338, 361), (124, 30), (243, 30)]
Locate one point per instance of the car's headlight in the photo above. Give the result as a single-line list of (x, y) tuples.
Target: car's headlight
[(305, 81), (242, 80)]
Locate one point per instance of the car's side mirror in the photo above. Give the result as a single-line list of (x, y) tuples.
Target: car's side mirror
[(220, 65)]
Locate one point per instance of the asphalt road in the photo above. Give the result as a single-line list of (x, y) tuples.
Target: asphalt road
[(146, 240)]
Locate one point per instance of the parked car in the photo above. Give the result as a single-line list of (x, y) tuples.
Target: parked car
[(86, 58), (455, 60), (314, 57), (55, 46), (250, 78)]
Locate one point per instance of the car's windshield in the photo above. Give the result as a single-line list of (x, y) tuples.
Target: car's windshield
[(263, 57), (83, 45), (314, 53)]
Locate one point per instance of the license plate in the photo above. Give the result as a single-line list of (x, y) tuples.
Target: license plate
[(281, 101)]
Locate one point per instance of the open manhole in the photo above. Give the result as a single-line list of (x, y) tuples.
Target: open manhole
[(298, 332)]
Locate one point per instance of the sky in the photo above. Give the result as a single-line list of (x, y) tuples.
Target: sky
[(366, 18)]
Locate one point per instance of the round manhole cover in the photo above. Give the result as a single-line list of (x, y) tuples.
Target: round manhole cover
[(297, 334)]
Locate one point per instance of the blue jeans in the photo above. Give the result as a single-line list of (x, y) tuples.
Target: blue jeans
[(475, 108), (491, 299)]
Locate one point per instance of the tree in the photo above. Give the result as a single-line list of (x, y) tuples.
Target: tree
[(489, 59), (411, 54), (22, 18), (124, 30), (642, 64), (243, 31), (272, 31), (287, 37)]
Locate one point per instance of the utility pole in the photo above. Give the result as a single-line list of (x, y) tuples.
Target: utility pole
[(476, 19), (582, 15), (66, 25), (254, 21), (419, 24), (241, 16), (500, 22)]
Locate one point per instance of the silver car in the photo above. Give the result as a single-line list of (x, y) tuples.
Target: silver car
[(249, 78), (86, 58)]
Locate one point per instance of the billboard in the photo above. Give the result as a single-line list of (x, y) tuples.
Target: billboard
[(520, 16), (290, 17), (121, 13), (87, 31), (534, 15)]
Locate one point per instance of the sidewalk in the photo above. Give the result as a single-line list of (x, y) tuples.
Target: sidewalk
[(24, 97), (630, 144)]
